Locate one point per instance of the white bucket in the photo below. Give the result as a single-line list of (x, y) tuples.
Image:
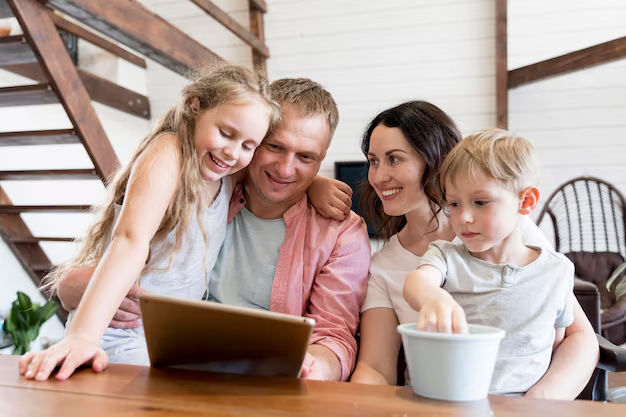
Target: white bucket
[(448, 366)]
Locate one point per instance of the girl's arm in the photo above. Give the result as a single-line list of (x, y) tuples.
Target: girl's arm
[(151, 185), (573, 361), (380, 345), (331, 198), (73, 284)]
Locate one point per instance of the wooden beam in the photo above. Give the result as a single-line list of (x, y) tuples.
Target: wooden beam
[(232, 25), (574, 61), (258, 29), (502, 89), (259, 5), (41, 137), (15, 50), (27, 95), (10, 209), (99, 89), (93, 38), (60, 71), (130, 23), (49, 174)]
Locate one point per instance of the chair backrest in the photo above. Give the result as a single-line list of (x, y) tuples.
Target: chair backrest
[(588, 216)]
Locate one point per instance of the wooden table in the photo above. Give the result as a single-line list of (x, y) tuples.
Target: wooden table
[(124, 390)]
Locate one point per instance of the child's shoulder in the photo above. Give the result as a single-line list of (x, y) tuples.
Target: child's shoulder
[(446, 248), (163, 145), (552, 257)]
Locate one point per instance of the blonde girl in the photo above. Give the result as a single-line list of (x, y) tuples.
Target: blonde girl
[(165, 216)]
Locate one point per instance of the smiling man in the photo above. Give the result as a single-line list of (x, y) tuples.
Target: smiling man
[(279, 254)]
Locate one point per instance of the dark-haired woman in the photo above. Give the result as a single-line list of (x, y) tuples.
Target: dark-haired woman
[(405, 146)]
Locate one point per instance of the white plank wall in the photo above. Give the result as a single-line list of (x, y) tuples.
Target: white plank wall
[(577, 121), (369, 54), (372, 55)]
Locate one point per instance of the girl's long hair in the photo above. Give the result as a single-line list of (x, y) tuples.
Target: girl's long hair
[(211, 86)]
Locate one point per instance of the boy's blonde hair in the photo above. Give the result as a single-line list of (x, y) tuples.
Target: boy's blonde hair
[(308, 98), (212, 87), (501, 155)]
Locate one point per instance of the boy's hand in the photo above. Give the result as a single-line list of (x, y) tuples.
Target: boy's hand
[(71, 352), (440, 313), (331, 198)]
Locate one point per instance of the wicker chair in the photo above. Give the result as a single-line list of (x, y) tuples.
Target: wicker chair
[(589, 219)]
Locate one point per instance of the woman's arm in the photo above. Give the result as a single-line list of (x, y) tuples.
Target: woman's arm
[(380, 345), (151, 185), (573, 361)]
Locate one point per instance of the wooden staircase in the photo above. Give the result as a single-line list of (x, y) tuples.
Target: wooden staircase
[(40, 55)]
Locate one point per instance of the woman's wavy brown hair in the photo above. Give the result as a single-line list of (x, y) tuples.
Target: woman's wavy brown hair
[(211, 86), (432, 133)]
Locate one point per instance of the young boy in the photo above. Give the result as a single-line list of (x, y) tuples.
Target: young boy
[(492, 278)]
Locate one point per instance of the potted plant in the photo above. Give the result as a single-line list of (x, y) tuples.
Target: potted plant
[(25, 320)]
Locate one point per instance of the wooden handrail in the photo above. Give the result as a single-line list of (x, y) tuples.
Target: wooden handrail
[(502, 89), (258, 29), (130, 23), (91, 37), (260, 5), (574, 61), (232, 25)]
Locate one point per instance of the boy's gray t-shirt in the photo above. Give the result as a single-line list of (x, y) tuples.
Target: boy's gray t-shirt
[(527, 302)]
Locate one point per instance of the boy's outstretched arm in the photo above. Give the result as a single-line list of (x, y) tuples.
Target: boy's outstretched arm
[(573, 361), (437, 309)]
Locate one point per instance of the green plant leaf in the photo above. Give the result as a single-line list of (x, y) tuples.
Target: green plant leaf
[(46, 311), (9, 324), (24, 301), (25, 320)]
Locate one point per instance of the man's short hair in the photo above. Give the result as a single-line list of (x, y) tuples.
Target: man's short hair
[(499, 154), (307, 98)]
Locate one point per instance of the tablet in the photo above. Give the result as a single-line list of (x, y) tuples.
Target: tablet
[(205, 335)]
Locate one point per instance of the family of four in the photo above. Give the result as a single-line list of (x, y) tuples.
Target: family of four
[(185, 219)]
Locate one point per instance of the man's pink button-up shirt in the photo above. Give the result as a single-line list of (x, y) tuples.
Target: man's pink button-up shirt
[(321, 273)]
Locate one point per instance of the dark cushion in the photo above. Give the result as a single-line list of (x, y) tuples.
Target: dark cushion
[(597, 267)]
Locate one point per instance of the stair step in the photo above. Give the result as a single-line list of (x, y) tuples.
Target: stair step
[(36, 239), (39, 137), (15, 50), (27, 95), (4, 209), (60, 174), (5, 10)]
